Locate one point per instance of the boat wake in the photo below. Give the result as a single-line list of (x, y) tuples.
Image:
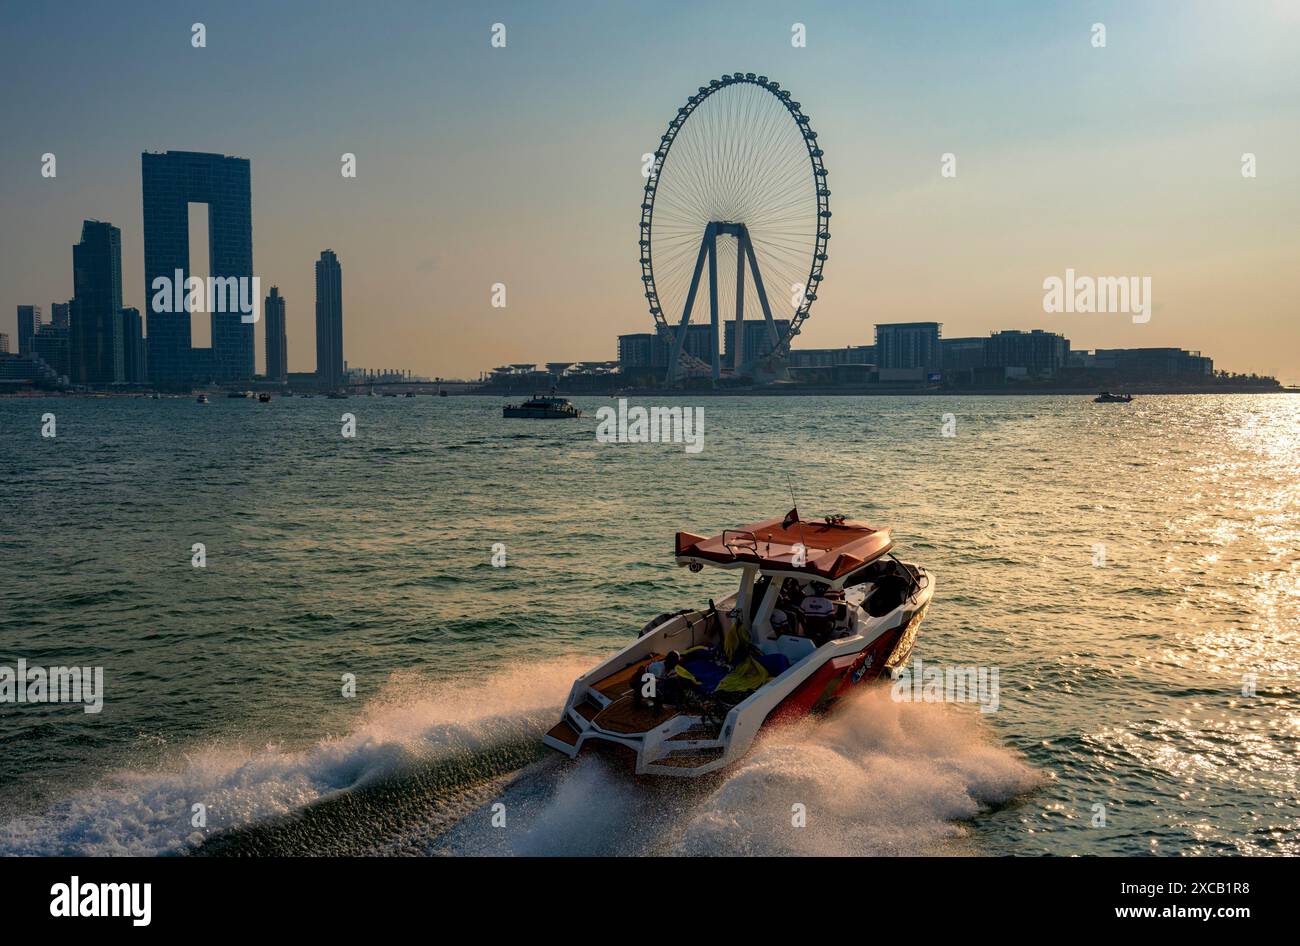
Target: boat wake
[(877, 777), (419, 746), (456, 768)]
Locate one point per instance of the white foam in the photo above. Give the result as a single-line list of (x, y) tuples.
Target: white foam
[(412, 721), (876, 777)]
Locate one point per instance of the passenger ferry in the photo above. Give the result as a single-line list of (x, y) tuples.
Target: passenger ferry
[(542, 406)]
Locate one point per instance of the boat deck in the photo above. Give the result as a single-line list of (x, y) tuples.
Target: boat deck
[(619, 683), (623, 715)]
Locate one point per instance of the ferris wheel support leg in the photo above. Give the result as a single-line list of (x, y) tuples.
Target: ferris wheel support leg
[(738, 340), (762, 293), (690, 304), (713, 309)]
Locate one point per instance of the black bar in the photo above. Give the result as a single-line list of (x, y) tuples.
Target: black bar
[(542, 897)]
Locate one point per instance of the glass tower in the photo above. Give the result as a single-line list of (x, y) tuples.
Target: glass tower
[(97, 355), (277, 347), (171, 181), (329, 320)]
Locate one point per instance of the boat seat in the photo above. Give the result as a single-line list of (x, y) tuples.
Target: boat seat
[(793, 648), (889, 593), (620, 681), (710, 670)]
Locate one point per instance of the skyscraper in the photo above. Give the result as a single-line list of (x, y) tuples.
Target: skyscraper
[(329, 320), (171, 182), (54, 340), (29, 323), (97, 305), (134, 361), (277, 343), (52, 346)]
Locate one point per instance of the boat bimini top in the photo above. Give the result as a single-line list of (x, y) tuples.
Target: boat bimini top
[(831, 551)]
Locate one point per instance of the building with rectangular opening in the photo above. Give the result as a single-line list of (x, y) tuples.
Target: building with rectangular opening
[(171, 181)]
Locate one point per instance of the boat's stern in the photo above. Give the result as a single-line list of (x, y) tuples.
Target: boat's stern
[(682, 745), (603, 712)]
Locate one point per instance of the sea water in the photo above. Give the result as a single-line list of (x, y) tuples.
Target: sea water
[(1130, 571)]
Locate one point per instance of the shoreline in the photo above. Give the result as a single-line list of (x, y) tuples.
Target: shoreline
[(874, 391), (862, 391)]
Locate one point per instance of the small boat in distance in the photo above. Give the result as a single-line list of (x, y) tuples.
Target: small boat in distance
[(202, 399), (240, 394), (823, 606), (263, 397), (542, 406), (1105, 397)]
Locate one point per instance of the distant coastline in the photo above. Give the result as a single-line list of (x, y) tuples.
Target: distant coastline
[(776, 390), (876, 390)]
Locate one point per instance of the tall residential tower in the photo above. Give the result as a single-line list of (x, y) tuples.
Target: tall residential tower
[(96, 345), (29, 323), (329, 320), (277, 344)]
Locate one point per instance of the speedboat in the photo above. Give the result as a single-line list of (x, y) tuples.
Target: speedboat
[(202, 399), (542, 406), (263, 397), (1105, 397), (823, 606)]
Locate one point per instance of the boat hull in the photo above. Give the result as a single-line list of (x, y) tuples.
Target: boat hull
[(688, 742), (538, 413)]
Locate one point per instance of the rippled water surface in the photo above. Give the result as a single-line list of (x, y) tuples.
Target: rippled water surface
[(1121, 668)]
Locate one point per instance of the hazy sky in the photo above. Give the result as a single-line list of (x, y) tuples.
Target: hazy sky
[(522, 165)]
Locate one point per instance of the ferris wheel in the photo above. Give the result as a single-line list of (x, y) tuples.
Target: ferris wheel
[(736, 196)]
